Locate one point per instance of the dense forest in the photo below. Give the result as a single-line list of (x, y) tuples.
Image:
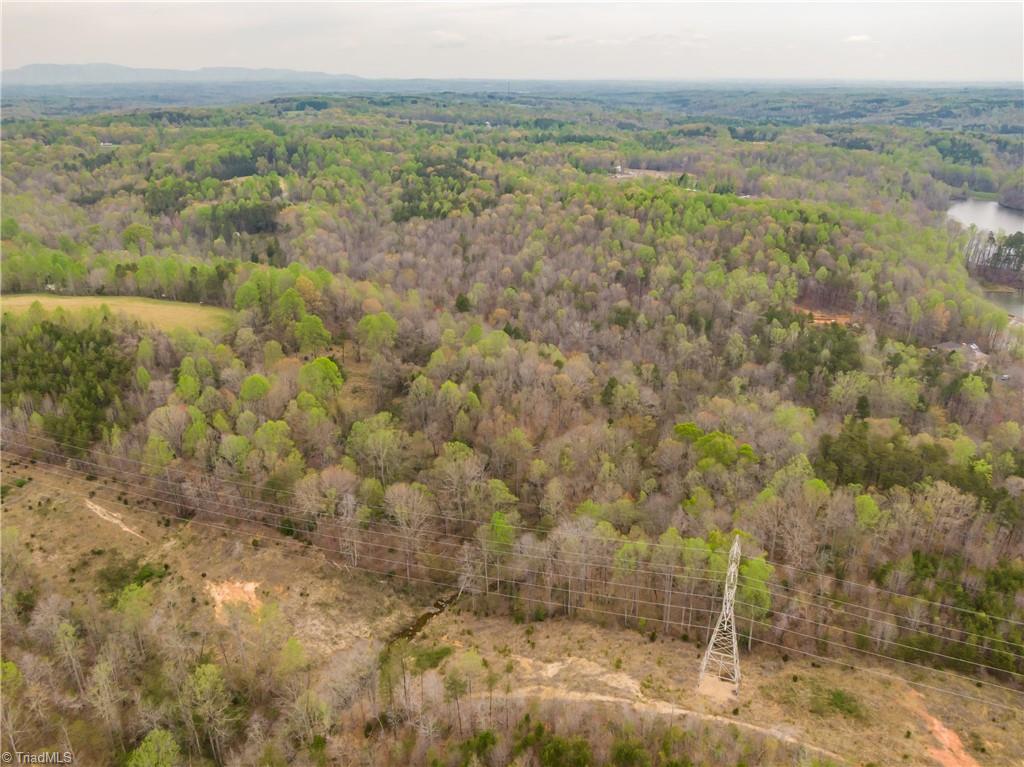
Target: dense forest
[(549, 359)]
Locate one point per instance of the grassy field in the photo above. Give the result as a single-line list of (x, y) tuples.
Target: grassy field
[(166, 315)]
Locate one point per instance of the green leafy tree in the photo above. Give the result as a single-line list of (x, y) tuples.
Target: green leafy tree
[(629, 752), (753, 594), (158, 749), (377, 331), (235, 449), (869, 515), (272, 353), (496, 539), (378, 445), (135, 604), (973, 397), (310, 334), (209, 703), (627, 564), (274, 439), (696, 555), (321, 378), (565, 752), (156, 455), (293, 657), (195, 432), (135, 236), (254, 388), (188, 388), (288, 308)]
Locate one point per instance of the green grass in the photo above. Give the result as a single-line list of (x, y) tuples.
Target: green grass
[(836, 701), (428, 658), (120, 572), (166, 315)]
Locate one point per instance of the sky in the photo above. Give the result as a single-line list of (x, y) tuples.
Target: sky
[(922, 41)]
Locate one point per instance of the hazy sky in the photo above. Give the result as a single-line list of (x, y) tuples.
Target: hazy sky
[(700, 41)]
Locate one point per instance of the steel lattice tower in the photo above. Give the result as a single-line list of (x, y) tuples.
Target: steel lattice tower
[(722, 656)]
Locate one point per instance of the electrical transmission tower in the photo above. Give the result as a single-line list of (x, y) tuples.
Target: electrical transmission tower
[(722, 656)]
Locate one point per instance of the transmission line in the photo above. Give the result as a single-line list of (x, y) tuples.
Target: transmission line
[(616, 614), (636, 601), (784, 591), (654, 573), (537, 530)]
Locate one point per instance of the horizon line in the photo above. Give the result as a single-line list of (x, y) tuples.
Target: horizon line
[(506, 78)]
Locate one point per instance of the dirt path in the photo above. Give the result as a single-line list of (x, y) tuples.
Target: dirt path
[(604, 686), (950, 751), (109, 516)]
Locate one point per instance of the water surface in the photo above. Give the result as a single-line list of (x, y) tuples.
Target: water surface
[(987, 215), (1012, 302)]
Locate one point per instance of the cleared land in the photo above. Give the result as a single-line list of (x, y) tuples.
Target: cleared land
[(73, 528), (831, 712), (569, 672), (822, 316), (166, 315)]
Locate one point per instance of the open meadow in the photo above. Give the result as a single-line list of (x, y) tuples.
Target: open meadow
[(165, 315)]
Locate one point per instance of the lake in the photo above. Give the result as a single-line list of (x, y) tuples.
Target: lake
[(1012, 302), (987, 215), (993, 217)]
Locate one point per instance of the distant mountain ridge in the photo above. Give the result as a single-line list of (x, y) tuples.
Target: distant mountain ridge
[(97, 74)]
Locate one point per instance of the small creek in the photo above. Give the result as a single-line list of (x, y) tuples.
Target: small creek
[(414, 627)]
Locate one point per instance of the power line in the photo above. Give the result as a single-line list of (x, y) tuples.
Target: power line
[(637, 601), (543, 531), (654, 573), (413, 551), (785, 592), (616, 614)]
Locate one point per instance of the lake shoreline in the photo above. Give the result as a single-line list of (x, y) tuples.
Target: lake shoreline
[(987, 215), (986, 197)]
